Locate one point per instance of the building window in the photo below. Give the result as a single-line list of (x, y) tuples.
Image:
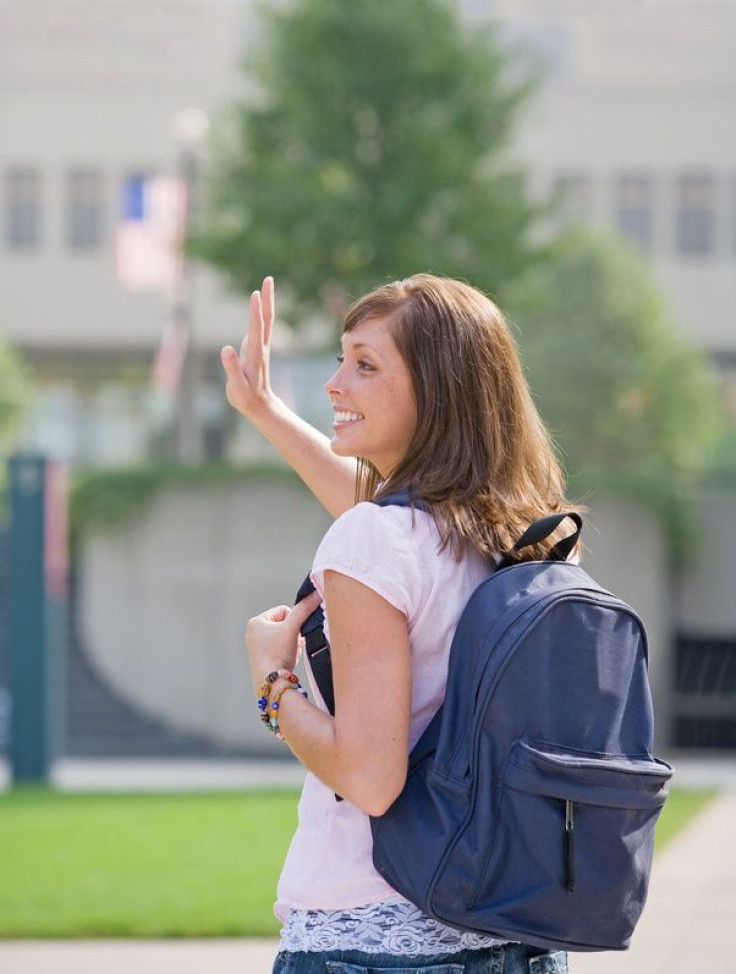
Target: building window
[(696, 217), (84, 209), (23, 208), (573, 192), (633, 209)]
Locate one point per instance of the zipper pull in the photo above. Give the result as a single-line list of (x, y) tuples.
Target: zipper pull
[(569, 856)]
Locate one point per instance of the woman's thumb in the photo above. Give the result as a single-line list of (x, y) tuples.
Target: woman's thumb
[(234, 375), (229, 359), (304, 608)]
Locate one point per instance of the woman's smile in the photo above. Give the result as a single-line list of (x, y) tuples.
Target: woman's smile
[(345, 418)]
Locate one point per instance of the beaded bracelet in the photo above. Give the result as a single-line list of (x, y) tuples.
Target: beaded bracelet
[(266, 690), (272, 721), (276, 705)]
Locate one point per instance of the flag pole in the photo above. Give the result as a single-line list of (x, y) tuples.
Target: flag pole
[(191, 127)]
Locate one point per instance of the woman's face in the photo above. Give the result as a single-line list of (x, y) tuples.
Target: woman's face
[(373, 399)]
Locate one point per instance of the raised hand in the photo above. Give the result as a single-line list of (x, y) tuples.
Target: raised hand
[(307, 450), (248, 386)]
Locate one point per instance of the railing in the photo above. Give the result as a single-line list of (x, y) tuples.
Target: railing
[(704, 702)]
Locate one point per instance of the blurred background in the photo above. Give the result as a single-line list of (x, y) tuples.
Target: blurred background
[(157, 159)]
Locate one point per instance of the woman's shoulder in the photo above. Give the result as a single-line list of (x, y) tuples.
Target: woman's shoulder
[(383, 549), (390, 522), (368, 534)]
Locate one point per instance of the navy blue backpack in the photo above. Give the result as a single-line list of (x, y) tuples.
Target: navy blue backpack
[(531, 798)]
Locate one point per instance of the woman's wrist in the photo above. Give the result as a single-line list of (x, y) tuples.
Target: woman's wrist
[(266, 685), (266, 408), (272, 690), (270, 693)]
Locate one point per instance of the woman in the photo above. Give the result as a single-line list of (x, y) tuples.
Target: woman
[(428, 394)]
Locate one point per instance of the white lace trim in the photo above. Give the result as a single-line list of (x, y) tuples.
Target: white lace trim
[(392, 926)]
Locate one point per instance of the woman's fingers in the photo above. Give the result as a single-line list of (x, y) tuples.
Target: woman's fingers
[(233, 373), (303, 610), (252, 346), (248, 380), (267, 309), (261, 319), (279, 613), (272, 638)]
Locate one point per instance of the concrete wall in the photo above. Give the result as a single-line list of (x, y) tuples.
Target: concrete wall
[(165, 600), (626, 552), (705, 603)]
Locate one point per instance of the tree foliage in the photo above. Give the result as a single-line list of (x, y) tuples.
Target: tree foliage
[(15, 393), (371, 148), (630, 402)]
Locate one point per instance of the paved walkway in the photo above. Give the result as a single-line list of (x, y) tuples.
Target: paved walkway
[(687, 924), (124, 774), (686, 927)]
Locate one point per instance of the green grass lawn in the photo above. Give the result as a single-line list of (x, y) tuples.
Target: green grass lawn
[(681, 806), (167, 865), (74, 865)]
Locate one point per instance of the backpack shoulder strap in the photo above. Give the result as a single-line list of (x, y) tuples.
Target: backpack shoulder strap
[(316, 644), (317, 647)]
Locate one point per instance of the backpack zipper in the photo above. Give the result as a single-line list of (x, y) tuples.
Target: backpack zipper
[(569, 856)]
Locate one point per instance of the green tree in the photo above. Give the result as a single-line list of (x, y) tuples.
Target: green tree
[(15, 397), (372, 148), (15, 393), (630, 402)]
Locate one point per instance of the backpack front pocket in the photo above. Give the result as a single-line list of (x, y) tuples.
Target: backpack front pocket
[(572, 839)]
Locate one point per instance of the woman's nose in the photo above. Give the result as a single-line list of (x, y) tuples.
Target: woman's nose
[(334, 383)]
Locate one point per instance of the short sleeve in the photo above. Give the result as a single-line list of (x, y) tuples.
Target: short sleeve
[(379, 547)]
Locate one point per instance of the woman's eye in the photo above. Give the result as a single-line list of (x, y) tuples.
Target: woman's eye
[(361, 364)]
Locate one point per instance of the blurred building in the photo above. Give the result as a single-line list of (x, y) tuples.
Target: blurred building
[(91, 95), (634, 129)]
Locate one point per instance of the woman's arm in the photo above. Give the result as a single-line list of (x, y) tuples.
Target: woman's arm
[(330, 478), (362, 753)]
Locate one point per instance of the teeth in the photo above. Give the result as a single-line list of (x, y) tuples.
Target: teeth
[(347, 417)]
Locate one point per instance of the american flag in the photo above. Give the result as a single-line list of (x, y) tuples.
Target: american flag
[(150, 231), (149, 243)]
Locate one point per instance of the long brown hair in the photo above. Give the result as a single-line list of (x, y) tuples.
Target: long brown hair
[(482, 460)]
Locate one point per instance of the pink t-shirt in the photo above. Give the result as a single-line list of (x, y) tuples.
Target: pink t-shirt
[(329, 864)]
